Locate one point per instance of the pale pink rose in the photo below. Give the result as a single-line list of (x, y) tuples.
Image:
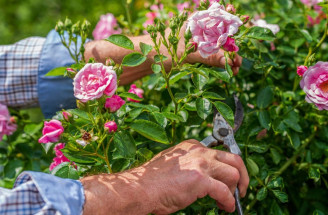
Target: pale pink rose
[(93, 81), (301, 70), (315, 84), (263, 24), (7, 125), (153, 14), (111, 126), (211, 28), (230, 45), (51, 131), (66, 115), (137, 91), (312, 3), (106, 26), (182, 6), (230, 8), (114, 103)]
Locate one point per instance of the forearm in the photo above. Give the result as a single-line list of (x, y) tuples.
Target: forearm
[(122, 193)]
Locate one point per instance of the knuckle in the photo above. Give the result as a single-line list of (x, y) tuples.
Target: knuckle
[(239, 161), (196, 176), (235, 176)]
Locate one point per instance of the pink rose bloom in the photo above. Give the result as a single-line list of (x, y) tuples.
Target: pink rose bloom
[(114, 103), (51, 131), (7, 125), (57, 149), (182, 6), (60, 157), (263, 24), (211, 28), (93, 81), (111, 126), (301, 70), (230, 8), (315, 84), (137, 91), (230, 45), (106, 26)]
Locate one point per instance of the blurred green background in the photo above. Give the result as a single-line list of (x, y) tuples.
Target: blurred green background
[(20, 19)]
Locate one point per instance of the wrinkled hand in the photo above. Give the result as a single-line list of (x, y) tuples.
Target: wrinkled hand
[(180, 175)]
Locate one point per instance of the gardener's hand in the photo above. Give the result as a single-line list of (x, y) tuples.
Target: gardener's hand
[(172, 180)]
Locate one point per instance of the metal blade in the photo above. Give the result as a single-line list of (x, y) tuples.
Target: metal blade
[(239, 113)]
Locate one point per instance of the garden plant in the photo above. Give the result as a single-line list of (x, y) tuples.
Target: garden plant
[(282, 84)]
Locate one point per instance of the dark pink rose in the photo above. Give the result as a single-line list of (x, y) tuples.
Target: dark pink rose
[(7, 125), (137, 91), (93, 81), (114, 103), (301, 70), (111, 126), (315, 84), (230, 45), (60, 157), (211, 28), (51, 131), (106, 26)]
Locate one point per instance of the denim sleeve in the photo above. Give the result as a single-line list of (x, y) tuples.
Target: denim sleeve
[(54, 93), (41, 193)]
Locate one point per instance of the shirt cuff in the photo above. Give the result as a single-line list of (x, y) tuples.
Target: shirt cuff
[(64, 195)]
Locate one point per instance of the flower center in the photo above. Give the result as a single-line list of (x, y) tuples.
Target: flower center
[(324, 86), (86, 136)]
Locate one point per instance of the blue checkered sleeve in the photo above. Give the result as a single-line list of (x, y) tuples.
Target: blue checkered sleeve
[(42, 194), (19, 64)]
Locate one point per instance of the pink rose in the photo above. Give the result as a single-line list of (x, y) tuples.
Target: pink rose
[(66, 115), (230, 45), (51, 131), (182, 6), (106, 26), (230, 8), (111, 126), (93, 81), (210, 28), (57, 149), (114, 103), (312, 3), (151, 16), (315, 84), (60, 157), (7, 125), (137, 91), (263, 24), (301, 70)]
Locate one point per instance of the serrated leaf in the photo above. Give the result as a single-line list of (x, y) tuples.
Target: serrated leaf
[(156, 68), (131, 96), (199, 81), (275, 155), (276, 183), (172, 116), (204, 107), (306, 35), (145, 154), (13, 168), (134, 113), (211, 95), (31, 129), (260, 33), (262, 194), (121, 40), (133, 59), (125, 146), (226, 112), (314, 173), (80, 113), (184, 114), (145, 48), (47, 146), (252, 167), (264, 119), (220, 74), (265, 97), (160, 118), (59, 71), (65, 170), (157, 58), (77, 158), (227, 66), (176, 77), (150, 130), (282, 196)]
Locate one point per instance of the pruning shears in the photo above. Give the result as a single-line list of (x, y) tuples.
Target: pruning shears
[(223, 133)]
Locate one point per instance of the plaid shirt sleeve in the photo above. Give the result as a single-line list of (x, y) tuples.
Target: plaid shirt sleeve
[(19, 72), (40, 193)]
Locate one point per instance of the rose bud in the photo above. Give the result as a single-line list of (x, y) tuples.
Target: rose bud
[(230, 8), (66, 115), (111, 126), (301, 70)]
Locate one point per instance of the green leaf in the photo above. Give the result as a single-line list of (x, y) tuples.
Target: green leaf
[(306, 35), (265, 97), (47, 146), (145, 48), (211, 95), (13, 168), (260, 33), (131, 96), (31, 129), (121, 40), (259, 148), (151, 108), (156, 68), (160, 118), (262, 194), (176, 77), (252, 167), (199, 81), (157, 58), (282, 196), (318, 212), (133, 59), (150, 130), (314, 173), (204, 107), (220, 74), (276, 183), (275, 155), (145, 154), (80, 113), (65, 170), (125, 146), (59, 71), (226, 112), (227, 66), (135, 112), (172, 116), (292, 120), (264, 119), (77, 158), (184, 114)]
